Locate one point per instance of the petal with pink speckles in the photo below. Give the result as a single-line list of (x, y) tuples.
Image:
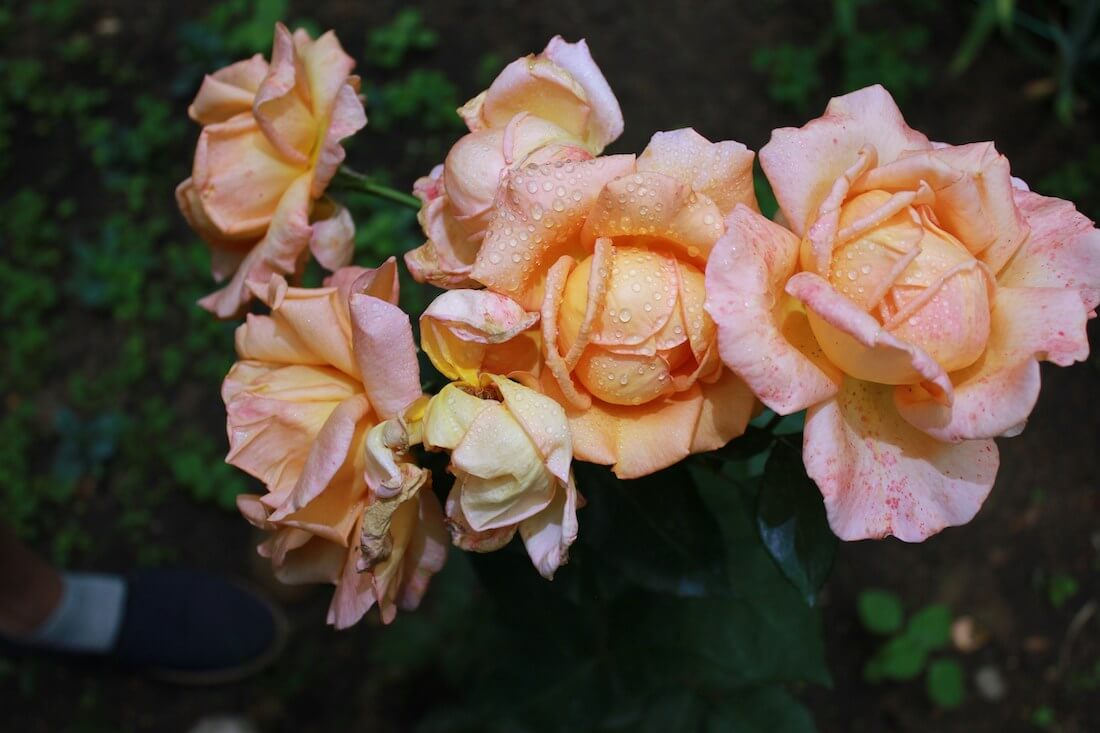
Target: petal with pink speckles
[(803, 163), (880, 476), (1063, 250), (995, 395)]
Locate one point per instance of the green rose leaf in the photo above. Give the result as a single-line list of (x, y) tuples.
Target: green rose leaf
[(654, 532), (790, 517), (760, 710)]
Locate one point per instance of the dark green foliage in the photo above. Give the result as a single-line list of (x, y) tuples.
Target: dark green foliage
[(792, 523), (656, 531), (792, 72), (888, 58), (420, 98), (891, 56), (425, 97), (388, 45), (669, 616), (765, 197), (103, 347), (1077, 181), (1060, 37)]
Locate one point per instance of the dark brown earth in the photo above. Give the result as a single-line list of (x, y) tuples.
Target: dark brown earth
[(689, 65)]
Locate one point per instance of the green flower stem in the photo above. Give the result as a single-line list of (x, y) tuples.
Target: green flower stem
[(350, 179)]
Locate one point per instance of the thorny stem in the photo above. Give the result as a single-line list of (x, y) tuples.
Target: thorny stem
[(351, 179)]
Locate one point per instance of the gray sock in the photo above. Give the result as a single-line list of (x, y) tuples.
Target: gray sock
[(88, 618)]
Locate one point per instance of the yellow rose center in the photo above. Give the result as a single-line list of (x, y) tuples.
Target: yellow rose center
[(647, 333), (918, 280)]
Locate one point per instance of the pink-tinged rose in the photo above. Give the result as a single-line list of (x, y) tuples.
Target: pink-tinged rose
[(317, 406), (269, 147), (601, 263), (556, 106), (907, 311), (467, 332), (510, 455)]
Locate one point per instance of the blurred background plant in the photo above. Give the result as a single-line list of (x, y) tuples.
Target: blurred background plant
[(694, 599), (1062, 39)]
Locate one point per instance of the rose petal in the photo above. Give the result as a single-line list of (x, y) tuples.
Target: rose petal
[(605, 122), (272, 340), (728, 406), (426, 552), (385, 351), (802, 163), (278, 253), (637, 439), (460, 327), (447, 258), (880, 476), (722, 171), (347, 118), (537, 86), (500, 475), (527, 232), (542, 419), (549, 534), (995, 395), (449, 416), (317, 317), (240, 177), (865, 344), (651, 205), (315, 561), (275, 413), (973, 195), (228, 91), (333, 239), (1063, 250), (466, 537), (328, 452), (761, 337), (282, 107)]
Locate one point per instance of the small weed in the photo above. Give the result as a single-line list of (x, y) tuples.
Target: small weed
[(908, 649)]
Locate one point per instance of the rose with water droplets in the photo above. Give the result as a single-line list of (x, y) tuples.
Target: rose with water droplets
[(555, 106), (602, 260), (908, 310), (510, 455)]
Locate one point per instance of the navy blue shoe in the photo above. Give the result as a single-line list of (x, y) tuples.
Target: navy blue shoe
[(188, 627)]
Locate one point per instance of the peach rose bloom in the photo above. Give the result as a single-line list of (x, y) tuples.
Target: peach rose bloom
[(269, 146), (908, 310), (550, 107), (318, 404), (607, 257), (510, 455)]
